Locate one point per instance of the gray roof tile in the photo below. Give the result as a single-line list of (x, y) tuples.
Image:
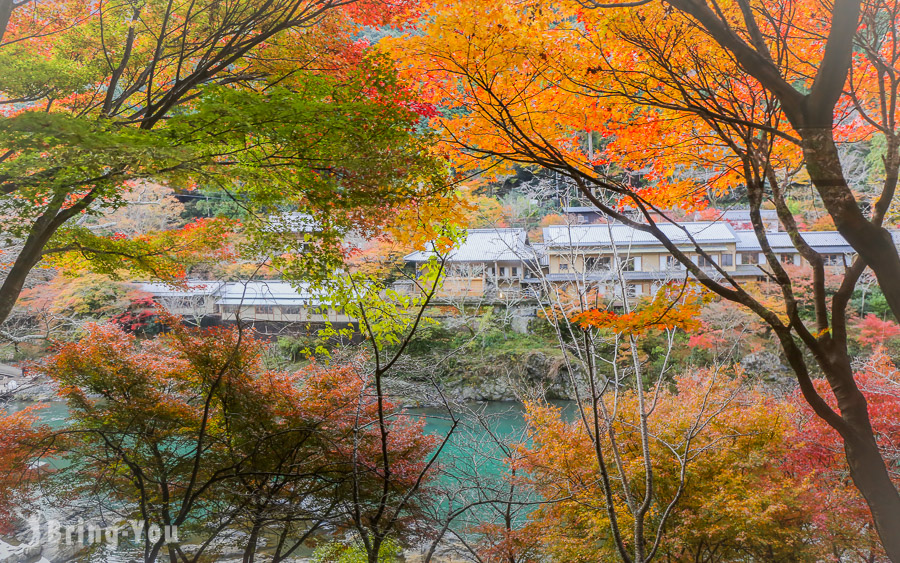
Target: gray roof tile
[(486, 245), (191, 287), (624, 235), (266, 293)]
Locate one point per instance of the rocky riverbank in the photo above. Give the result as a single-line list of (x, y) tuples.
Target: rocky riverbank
[(514, 376), (483, 377), (14, 384)]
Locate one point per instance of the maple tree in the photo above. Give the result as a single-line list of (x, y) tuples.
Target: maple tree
[(273, 103), (488, 213), (380, 259), (388, 320), (138, 317), (578, 523), (192, 430), (91, 296), (20, 436), (147, 207), (656, 105), (728, 328), (816, 449), (674, 306), (751, 489), (56, 310), (763, 480), (761, 470), (876, 333), (617, 393)]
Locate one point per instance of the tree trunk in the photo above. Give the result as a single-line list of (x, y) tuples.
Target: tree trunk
[(876, 247), (40, 234), (153, 552), (15, 280), (250, 550), (6, 9), (375, 552), (871, 478), (873, 243), (867, 467)]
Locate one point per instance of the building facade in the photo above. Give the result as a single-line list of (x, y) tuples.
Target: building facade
[(266, 301), (502, 265), (490, 263), (605, 255)]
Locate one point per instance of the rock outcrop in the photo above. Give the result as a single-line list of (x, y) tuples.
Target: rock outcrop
[(487, 377)]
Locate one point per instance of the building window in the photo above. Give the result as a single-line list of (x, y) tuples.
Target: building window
[(787, 259), (458, 270), (265, 310), (594, 263), (748, 258), (515, 272), (290, 310), (630, 290), (704, 262), (833, 259), (672, 263), (231, 308), (632, 264), (727, 260), (502, 271), (563, 267)]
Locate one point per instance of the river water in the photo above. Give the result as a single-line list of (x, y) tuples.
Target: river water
[(476, 450), (483, 427), (51, 413), (495, 419)]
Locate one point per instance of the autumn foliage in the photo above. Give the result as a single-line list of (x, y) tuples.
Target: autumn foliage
[(667, 105), (673, 306), (20, 439), (594, 88), (273, 105), (875, 332), (191, 428), (766, 479), (839, 511)]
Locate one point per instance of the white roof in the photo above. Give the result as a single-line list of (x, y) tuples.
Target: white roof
[(581, 209), (486, 245), (624, 235), (266, 293), (820, 241), (540, 252), (10, 371), (291, 222), (744, 214), (191, 287)]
